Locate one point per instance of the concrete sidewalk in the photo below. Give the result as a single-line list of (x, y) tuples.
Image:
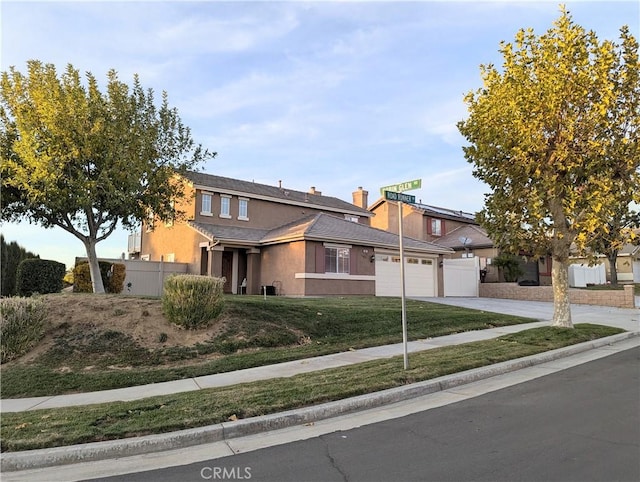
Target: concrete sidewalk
[(627, 319), (279, 370)]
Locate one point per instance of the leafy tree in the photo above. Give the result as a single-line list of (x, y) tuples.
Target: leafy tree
[(554, 134), (84, 160), (619, 230)]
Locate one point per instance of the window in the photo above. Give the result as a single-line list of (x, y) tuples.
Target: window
[(206, 204), (436, 227), (225, 206), (243, 209), (336, 260), (412, 261), (353, 219)]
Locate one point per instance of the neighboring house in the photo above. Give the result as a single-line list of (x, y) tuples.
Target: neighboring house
[(454, 229), (275, 240), (627, 264), (420, 221)]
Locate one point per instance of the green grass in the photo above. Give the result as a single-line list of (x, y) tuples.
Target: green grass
[(257, 332), (65, 426), (636, 287)]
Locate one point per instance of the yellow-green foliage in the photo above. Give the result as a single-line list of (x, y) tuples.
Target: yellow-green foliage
[(192, 301), (21, 325), (113, 282), (116, 281)]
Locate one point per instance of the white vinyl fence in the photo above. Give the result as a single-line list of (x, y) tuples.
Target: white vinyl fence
[(461, 276), (145, 278), (582, 275)]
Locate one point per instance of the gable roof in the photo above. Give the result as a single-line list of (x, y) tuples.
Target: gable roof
[(435, 211), (475, 234), (282, 195), (318, 227)]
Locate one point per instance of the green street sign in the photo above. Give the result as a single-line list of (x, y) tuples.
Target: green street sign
[(398, 196), (403, 186)]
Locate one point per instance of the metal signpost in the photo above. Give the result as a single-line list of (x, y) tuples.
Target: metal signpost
[(394, 193)]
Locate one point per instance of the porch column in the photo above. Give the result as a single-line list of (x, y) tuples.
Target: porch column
[(253, 271), (215, 261)]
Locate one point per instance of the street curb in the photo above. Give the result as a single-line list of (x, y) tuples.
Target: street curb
[(93, 451)]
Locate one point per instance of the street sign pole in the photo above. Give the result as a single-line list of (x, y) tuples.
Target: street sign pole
[(402, 290), (395, 192)]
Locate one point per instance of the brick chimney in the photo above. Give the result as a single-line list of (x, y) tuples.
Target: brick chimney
[(361, 198), (312, 190)]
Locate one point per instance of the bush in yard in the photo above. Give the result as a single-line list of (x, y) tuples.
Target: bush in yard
[(39, 276), (21, 326), (510, 266), (192, 301), (112, 274)]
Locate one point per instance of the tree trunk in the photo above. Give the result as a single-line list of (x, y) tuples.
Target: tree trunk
[(613, 257), (561, 305), (94, 267)]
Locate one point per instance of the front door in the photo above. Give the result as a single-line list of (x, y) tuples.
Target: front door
[(204, 261), (227, 269)]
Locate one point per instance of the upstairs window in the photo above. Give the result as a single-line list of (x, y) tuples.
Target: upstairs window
[(436, 227), (243, 209), (225, 206), (206, 204), (336, 260)]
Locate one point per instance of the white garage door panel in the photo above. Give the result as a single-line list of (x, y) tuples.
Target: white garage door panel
[(419, 277)]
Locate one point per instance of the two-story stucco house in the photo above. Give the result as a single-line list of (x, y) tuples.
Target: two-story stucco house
[(454, 229), (288, 242)]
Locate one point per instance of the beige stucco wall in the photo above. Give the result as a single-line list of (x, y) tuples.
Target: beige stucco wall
[(179, 239), (279, 263), (261, 213)]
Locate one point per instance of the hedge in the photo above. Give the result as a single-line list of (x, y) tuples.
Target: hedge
[(39, 276)]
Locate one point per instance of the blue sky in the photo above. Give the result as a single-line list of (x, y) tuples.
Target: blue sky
[(334, 95)]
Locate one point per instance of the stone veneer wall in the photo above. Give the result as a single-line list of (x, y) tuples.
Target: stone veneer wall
[(512, 291)]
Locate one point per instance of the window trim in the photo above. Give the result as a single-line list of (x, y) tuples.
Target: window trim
[(342, 262), (227, 214), (243, 201), (436, 222), (202, 210)]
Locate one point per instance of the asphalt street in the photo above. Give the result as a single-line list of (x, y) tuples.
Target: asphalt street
[(579, 424)]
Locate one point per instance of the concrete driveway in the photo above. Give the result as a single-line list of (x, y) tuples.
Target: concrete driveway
[(625, 318)]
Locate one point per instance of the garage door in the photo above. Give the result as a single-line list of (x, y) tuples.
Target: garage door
[(420, 275)]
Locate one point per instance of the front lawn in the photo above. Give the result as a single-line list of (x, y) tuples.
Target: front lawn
[(85, 354)]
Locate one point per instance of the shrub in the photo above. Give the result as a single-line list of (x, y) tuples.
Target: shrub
[(116, 280), (112, 275), (192, 301), (39, 276), (21, 326), (510, 266)]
